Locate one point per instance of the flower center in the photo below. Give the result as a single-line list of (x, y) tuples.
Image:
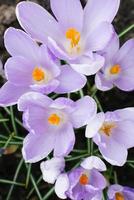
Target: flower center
[(84, 180), (54, 119), (38, 74), (74, 36), (107, 128), (119, 196), (116, 69)]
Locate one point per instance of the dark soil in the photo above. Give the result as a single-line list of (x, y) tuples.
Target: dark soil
[(111, 100)]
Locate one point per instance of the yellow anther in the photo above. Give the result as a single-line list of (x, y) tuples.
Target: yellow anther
[(54, 119), (38, 74), (107, 128), (115, 69), (74, 36), (119, 196), (84, 180)]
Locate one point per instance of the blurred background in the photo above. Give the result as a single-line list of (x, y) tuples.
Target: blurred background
[(10, 160)]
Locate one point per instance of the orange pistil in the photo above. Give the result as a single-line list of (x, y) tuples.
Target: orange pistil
[(84, 180), (54, 119), (38, 74), (74, 36), (107, 128), (119, 196), (115, 69)]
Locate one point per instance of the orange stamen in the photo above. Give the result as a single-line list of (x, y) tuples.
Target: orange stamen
[(107, 128), (54, 119), (38, 74), (115, 69), (84, 180), (74, 36), (119, 196)]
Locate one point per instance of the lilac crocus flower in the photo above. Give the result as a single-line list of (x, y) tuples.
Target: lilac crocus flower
[(34, 68), (118, 192), (84, 182), (75, 33), (52, 168), (113, 132), (51, 124), (118, 69)]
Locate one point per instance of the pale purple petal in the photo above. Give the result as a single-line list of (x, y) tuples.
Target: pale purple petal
[(99, 38), (18, 43), (44, 144), (35, 99), (48, 61), (19, 71), (101, 83), (61, 186), (64, 12), (65, 140), (113, 189), (125, 57), (10, 93), (70, 80), (125, 114), (52, 168), (93, 162), (88, 66), (96, 12), (45, 88), (63, 103), (124, 133), (37, 21), (115, 156), (94, 125), (112, 47), (85, 109), (58, 50), (97, 180)]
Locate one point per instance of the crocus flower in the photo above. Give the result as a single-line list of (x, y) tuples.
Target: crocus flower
[(51, 124), (34, 68), (75, 33), (52, 168), (118, 69), (118, 192), (113, 132), (84, 182)]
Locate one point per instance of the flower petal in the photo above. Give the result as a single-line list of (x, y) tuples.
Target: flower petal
[(115, 156), (33, 98), (94, 125), (45, 88), (96, 12), (100, 36), (44, 144), (112, 47), (64, 11), (65, 140), (84, 111), (88, 66), (37, 21), (25, 46), (124, 133), (70, 80), (97, 179), (93, 162), (51, 169), (101, 83), (125, 59), (19, 71), (10, 93), (61, 186)]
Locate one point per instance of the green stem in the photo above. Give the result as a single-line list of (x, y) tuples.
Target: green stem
[(126, 30)]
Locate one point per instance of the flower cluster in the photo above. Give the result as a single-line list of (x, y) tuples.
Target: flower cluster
[(55, 55)]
